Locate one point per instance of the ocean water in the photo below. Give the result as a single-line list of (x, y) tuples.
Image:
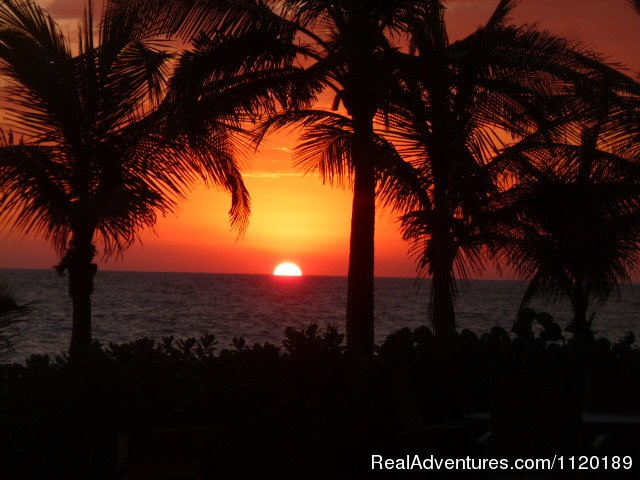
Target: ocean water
[(132, 305)]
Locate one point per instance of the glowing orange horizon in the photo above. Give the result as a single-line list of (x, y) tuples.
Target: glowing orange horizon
[(296, 216)]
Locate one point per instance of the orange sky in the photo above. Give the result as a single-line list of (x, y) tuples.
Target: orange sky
[(294, 216)]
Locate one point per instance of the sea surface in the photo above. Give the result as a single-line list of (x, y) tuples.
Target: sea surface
[(131, 305)]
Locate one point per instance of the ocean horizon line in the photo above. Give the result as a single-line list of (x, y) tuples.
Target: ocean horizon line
[(633, 284), (187, 272)]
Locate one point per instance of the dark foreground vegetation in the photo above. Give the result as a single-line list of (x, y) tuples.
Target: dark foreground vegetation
[(306, 409)]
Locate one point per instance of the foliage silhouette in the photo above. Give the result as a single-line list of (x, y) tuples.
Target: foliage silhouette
[(312, 46), (313, 404), (90, 156), (465, 102), (570, 225), (431, 122)]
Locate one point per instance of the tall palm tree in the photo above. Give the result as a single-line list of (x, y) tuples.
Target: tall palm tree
[(571, 225), (465, 101), (314, 46), (94, 150)]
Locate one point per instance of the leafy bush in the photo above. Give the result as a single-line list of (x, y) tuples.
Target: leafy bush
[(303, 410)]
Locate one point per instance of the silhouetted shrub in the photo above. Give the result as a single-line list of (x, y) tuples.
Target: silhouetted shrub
[(303, 410)]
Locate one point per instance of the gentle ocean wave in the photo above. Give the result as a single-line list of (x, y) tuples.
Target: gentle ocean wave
[(132, 305)]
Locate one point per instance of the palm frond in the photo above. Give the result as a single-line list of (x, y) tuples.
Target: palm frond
[(501, 14), (100, 147), (240, 69), (558, 232), (36, 61), (401, 185), (325, 142), (34, 191)]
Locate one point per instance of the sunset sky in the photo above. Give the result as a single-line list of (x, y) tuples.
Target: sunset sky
[(294, 216)]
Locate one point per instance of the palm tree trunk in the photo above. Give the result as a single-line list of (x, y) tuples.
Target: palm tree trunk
[(442, 311), (79, 263), (443, 151), (442, 248), (360, 302), (580, 302)]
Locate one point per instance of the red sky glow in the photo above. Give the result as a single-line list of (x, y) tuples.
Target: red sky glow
[(294, 216)]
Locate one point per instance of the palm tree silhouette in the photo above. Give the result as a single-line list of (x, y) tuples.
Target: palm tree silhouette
[(306, 47), (572, 222), (465, 101), (91, 155), (459, 100)]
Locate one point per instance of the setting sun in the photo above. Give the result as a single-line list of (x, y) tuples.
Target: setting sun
[(287, 269)]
